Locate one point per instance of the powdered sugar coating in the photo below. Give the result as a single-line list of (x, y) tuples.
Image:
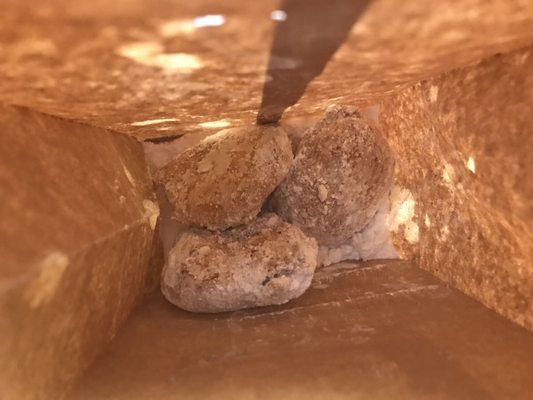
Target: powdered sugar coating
[(342, 169), (266, 262), (223, 181)]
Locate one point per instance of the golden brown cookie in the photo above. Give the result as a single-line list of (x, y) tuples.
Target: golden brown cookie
[(223, 181), (342, 169), (266, 262)]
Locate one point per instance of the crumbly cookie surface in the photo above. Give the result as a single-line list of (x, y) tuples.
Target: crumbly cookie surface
[(341, 171), (266, 262), (223, 181)]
